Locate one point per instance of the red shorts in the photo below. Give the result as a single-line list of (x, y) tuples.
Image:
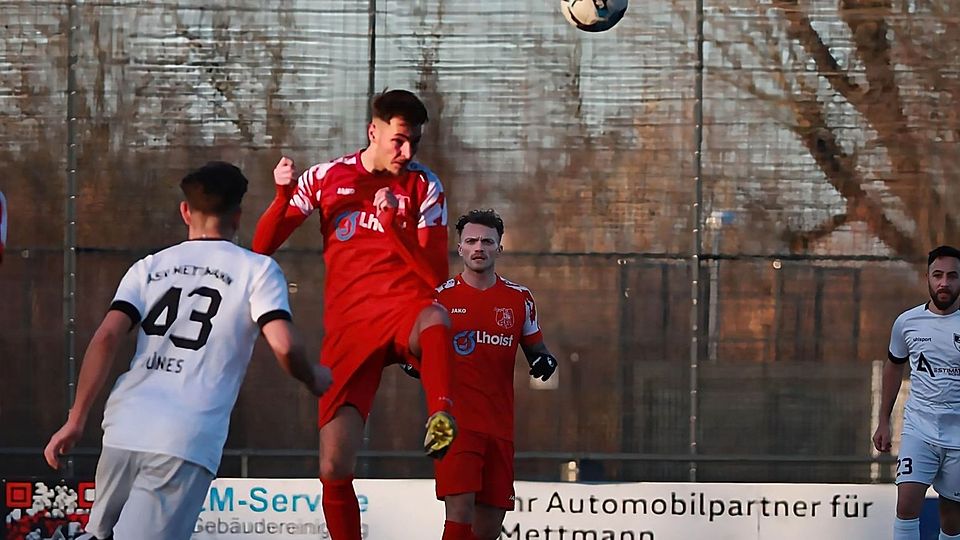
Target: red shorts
[(478, 463), (356, 355)]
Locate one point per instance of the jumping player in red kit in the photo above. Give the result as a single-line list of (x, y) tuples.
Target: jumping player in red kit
[(384, 224), (491, 317)]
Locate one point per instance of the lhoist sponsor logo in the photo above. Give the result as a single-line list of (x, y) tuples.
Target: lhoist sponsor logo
[(466, 342)]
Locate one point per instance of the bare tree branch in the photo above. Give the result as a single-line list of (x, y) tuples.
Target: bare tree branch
[(841, 171), (916, 55), (800, 241), (809, 124), (801, 29), (883, 109), (879, 102)]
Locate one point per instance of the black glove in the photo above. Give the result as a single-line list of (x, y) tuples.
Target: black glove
[(542, 366), (410, 370)]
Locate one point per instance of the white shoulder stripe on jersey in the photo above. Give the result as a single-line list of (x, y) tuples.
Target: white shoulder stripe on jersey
[(433, 208), (309, 186), (428, 175), (514, 286)]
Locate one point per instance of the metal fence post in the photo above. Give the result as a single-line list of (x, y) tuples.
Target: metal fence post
[(70, 218), (697, 251)]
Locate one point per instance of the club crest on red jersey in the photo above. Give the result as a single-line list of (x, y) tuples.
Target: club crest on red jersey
[(504, 317)]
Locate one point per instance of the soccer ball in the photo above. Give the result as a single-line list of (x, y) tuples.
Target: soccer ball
[(593, 15)]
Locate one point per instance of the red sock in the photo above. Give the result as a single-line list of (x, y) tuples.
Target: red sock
[(453, 530), (436, 342), (341, 509)]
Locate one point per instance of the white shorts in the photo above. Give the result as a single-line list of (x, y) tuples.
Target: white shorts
[(929, 464), (146, 496)]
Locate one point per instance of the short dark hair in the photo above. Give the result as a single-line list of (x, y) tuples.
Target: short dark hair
[(393, 103), (217, 188), (943, 251), (488, 218)]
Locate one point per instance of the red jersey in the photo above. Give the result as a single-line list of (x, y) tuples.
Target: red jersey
[(488, 326), (372, 263)]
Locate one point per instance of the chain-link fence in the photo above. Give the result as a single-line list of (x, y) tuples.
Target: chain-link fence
[(719, 206)]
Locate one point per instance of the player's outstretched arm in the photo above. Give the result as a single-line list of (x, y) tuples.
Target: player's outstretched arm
[(281, 218), (93, 375), (889, 389), (542, 363), (284, 340)]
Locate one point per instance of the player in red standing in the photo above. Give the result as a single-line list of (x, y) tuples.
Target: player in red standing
[(384, 224), (491, 318)]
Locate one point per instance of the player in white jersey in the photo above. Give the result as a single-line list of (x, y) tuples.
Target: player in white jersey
[(928, 337), (199, 306)]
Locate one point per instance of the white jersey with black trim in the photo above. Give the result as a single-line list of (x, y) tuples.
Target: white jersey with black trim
[(931, 343), (199, 306)]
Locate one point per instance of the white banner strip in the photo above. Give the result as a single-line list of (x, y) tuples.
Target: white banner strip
[(407, 509)]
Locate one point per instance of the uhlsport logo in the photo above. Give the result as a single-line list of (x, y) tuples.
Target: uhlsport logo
[(346, 225), (466, 342)]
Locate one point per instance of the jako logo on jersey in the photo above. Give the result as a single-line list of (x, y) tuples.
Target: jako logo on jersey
[(458, 310), (345, 191), (504, 317), (466, 342), (348, 222)]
